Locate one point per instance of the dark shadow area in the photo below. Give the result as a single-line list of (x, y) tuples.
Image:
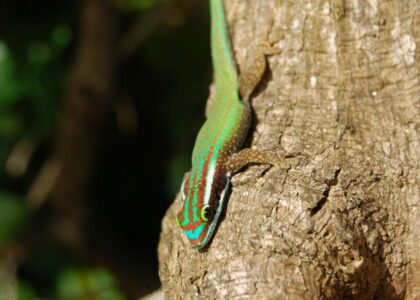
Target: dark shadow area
[(106, 234)]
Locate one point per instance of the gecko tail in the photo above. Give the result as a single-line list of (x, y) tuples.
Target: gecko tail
[(225, 72)]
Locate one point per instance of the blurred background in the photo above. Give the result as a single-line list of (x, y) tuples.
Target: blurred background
[(100, 103)]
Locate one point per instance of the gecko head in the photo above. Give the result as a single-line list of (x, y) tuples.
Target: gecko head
[(202, 207)]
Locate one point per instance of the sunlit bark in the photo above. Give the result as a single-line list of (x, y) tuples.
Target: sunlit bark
[(345, 222)]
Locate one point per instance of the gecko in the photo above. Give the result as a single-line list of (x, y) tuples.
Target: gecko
[(217, 153)]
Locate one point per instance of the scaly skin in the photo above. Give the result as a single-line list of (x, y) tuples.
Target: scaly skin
[(215, 156)]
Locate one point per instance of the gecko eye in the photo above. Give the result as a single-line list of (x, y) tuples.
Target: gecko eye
[(178, 222), (207, 213)]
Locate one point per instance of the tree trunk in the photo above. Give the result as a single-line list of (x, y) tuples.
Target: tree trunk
[(344, 223), (88, 109)]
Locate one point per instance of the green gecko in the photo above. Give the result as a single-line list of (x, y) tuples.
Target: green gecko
[(216, 155)]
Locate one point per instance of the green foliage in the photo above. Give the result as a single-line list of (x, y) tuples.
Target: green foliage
[(9, 85), (13, 213), (61, 37), (11, 124), (133, 5), (25, 291), (32, 77), (30, 85), (86, 284)]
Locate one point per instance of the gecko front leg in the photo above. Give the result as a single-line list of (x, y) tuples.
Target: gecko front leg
[(251, 156), (249, 79)]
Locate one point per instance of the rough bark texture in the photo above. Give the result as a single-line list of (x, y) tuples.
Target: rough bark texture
[(344, 223)]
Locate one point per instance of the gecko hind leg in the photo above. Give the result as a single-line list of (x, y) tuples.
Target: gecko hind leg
[(255, 66), (251, 156)]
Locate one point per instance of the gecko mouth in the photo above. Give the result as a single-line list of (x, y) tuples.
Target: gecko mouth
[(198, 245), (201, 247)]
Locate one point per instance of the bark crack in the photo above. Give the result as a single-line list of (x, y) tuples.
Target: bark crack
[(330, 183)]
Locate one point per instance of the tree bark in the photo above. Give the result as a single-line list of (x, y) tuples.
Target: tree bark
[(344, 223)]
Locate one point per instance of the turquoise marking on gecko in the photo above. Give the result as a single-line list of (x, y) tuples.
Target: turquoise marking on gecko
[(195, 233), (215, 158)]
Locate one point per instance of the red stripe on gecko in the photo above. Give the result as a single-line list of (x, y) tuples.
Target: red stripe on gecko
[(191, 198), (192, 225)]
